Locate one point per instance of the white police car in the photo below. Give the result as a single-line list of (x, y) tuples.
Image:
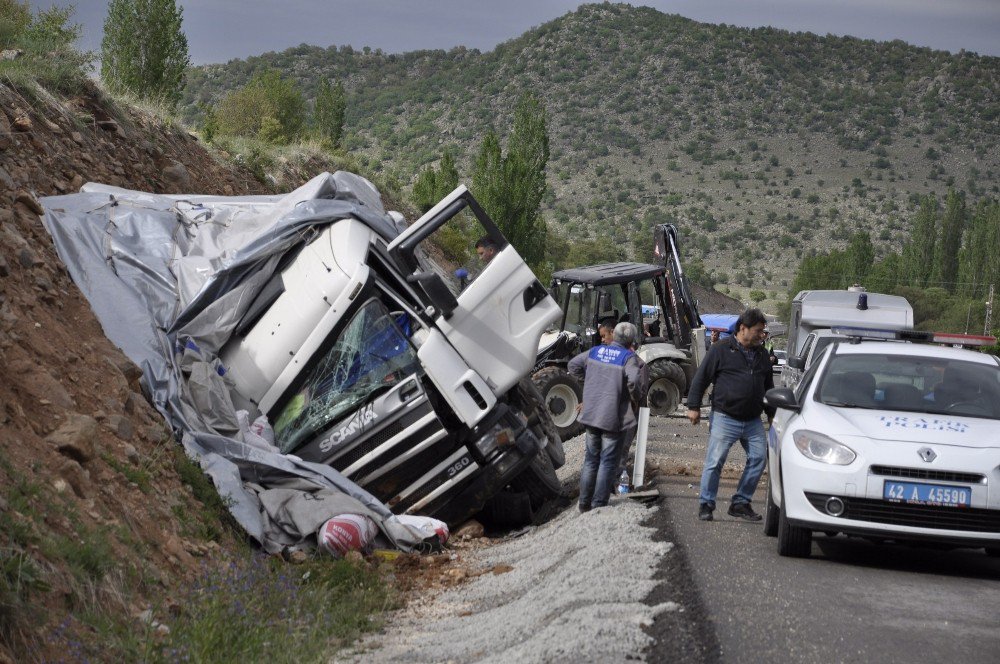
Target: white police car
[(888, 441)]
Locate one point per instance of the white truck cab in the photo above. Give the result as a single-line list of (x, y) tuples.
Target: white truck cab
[(367, 355)]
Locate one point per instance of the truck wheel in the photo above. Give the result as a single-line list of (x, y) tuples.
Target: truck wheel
[(561, 393), (664, 394), (539, 481)]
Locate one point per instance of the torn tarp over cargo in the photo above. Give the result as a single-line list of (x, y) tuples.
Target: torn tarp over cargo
[(169, 277)]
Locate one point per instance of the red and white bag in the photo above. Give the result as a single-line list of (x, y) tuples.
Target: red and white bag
[(346, 532), (426, 526)]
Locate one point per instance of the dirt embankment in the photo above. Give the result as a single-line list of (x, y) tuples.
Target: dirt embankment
[(92, 510)]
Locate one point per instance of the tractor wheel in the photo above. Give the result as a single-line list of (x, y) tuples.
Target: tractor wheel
[(561, 393), (665, 380), (689, 371)]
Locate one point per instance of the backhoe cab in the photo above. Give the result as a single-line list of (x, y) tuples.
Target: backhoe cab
[(655, 298)]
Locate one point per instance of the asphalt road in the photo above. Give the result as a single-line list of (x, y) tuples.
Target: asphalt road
[(852, 601)]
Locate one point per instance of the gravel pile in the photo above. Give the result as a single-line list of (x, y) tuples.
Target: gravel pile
[(575, 591)]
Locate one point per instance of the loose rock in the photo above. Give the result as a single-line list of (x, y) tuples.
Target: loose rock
[(29, 201), (76, 438)]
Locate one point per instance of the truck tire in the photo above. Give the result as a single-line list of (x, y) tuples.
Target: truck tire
[(539, 481), (560, 392), (666, 383)]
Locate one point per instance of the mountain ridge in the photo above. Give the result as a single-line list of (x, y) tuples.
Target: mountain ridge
[(734, 133)]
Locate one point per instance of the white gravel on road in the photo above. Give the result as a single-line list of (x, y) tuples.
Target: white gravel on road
[(576, 593)]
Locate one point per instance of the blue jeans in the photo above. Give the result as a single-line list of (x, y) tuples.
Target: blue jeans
[(725, 431), (599, 465)]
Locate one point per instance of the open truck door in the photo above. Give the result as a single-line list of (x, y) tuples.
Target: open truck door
[(503, 311)]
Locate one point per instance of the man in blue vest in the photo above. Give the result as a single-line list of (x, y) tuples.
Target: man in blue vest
[(610, 375)]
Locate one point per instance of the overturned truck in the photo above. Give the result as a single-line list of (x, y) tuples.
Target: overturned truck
[(327, 319)]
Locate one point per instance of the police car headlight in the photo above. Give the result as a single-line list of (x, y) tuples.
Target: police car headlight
[(822, 448)]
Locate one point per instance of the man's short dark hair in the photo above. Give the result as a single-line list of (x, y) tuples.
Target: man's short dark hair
[(750, 318), (486, 242)]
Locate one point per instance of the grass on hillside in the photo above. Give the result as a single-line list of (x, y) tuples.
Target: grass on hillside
[(254, 608), (262, 609)]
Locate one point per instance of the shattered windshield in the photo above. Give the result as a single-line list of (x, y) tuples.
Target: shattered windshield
[(371, 355), (913, 384)]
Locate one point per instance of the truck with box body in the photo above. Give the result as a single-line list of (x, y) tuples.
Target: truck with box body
[(814, 313)]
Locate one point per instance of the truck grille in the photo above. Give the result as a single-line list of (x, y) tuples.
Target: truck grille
[(368, 445), (925, 474), (970, 519)]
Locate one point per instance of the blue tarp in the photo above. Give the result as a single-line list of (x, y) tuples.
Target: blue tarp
[(719, 322)]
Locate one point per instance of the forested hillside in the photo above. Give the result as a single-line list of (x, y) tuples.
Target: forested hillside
[(763, 144)]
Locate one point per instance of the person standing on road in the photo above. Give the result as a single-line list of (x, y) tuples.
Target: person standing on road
[(610, 376), (740, 370)]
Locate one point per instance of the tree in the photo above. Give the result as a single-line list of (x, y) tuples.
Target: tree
[(946, 254), (446, 178), (424, 189), (14, 19), (511, 187), (433, 185), (268, 108), (860, 256), (328, 115), (979, 261), (144, 51), (918, 254)]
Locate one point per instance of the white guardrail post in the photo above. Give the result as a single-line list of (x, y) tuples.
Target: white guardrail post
[(639, 467)]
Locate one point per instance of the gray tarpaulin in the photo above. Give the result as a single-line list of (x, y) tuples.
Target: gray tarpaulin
[(169, 277)]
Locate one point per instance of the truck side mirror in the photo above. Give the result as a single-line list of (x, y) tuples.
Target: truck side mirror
[(796, 362), (436, 291), (782, 397)]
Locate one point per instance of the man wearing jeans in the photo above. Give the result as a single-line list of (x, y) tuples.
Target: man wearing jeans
[(741, 372), (610, 375)]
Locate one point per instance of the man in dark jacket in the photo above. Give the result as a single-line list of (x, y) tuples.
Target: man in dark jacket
[(610, 375), (741, 372)]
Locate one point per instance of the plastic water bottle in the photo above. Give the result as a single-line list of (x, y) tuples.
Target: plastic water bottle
[(623, 482)]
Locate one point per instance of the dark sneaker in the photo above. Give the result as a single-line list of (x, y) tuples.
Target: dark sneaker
[(705, 512), (583, 508), (744, 511)]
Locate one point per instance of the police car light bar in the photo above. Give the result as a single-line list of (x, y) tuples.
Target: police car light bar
[(879, 333), (916, 336), (963, 339)]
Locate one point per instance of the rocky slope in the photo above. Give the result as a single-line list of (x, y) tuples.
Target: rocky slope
[(94, 515)]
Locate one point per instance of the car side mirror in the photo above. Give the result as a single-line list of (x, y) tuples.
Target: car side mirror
[(782, 397), (796, 362), (436, 291)]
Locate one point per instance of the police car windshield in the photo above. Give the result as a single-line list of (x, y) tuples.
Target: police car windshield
[(911, 383)]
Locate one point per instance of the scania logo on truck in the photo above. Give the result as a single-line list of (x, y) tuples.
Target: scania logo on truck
[(357, 423)]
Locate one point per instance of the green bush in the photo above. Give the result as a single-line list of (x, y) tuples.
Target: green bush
[(268, 108), (46, 44), (14, 18)]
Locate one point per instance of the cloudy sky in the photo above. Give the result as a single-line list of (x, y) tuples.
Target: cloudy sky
[(219, 30)]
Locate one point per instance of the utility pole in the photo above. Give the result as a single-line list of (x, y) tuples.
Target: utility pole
[(989, 313)]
